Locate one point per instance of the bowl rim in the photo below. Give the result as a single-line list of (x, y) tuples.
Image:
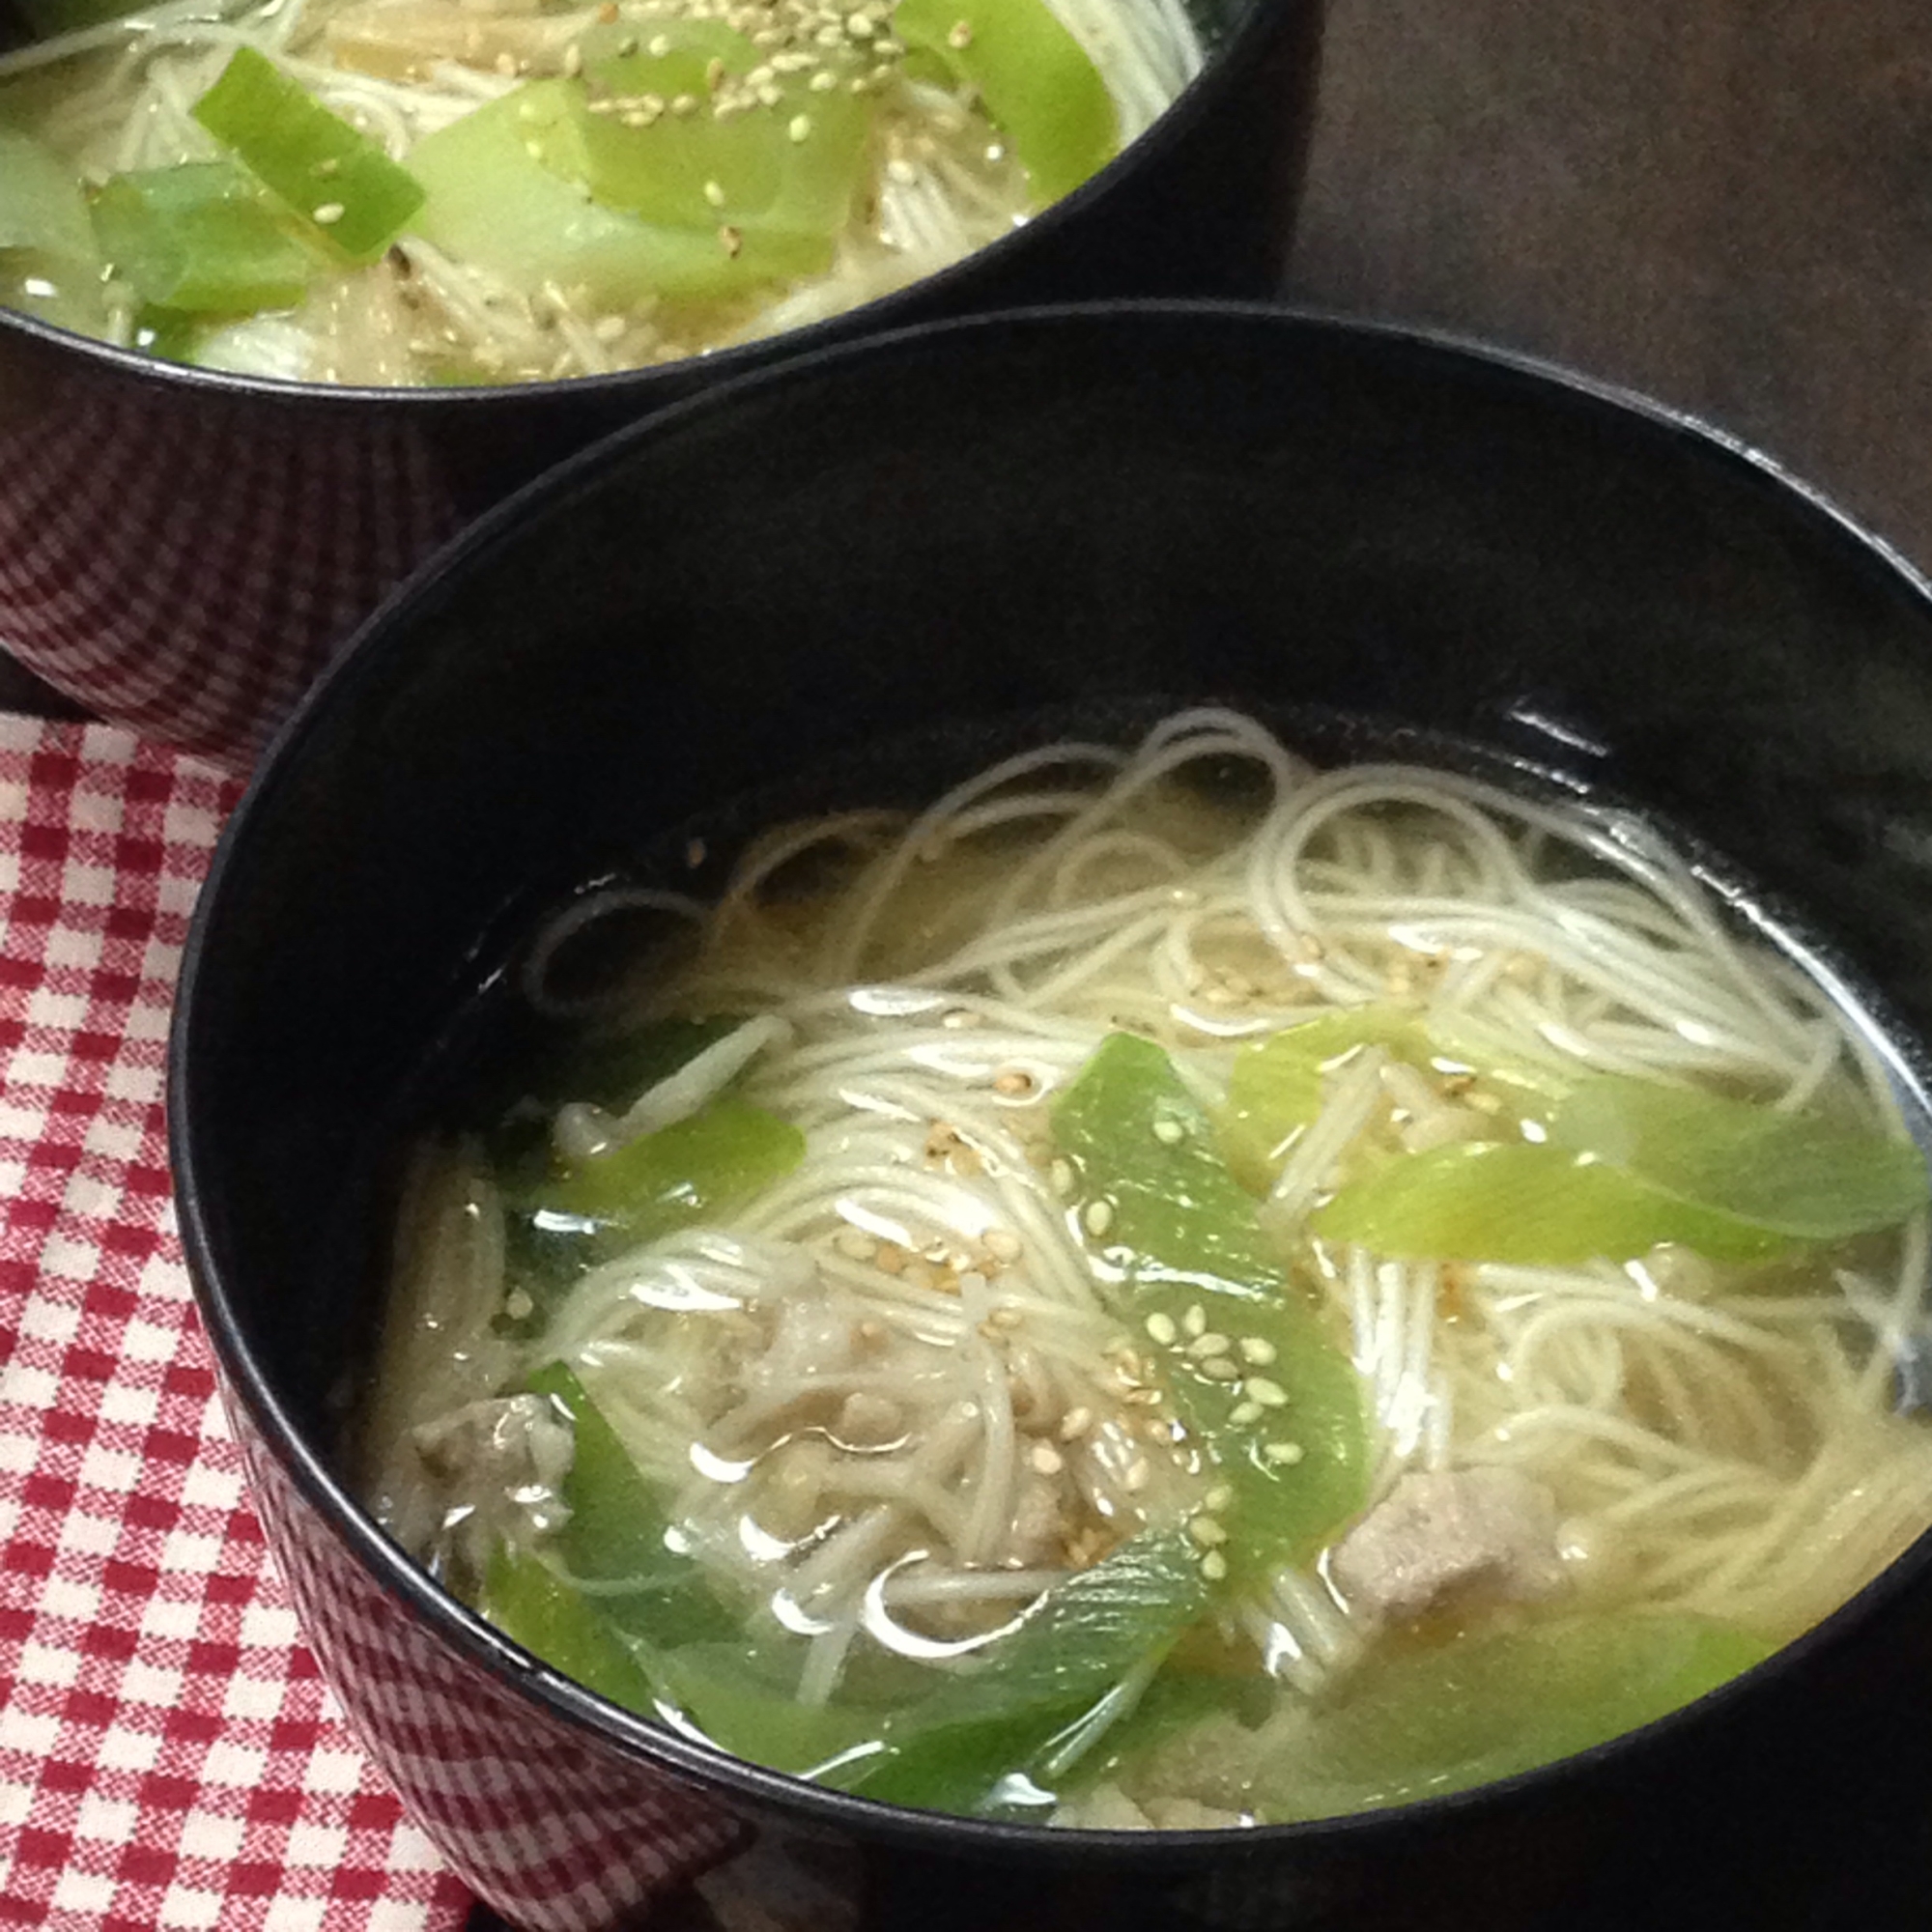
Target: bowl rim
[(369, 652), (1224, 65)]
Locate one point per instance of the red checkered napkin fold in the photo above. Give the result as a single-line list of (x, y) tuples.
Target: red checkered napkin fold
[(168, 1755)]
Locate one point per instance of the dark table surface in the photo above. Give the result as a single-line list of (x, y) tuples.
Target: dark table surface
[(1725, 203)]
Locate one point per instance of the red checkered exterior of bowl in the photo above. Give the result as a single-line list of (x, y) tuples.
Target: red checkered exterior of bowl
[(560, 1833)]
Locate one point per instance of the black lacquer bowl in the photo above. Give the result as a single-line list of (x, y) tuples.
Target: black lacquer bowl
[(965, 524), (181, 551)]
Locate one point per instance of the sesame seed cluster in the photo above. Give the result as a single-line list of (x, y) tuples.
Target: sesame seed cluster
[(813, 48)]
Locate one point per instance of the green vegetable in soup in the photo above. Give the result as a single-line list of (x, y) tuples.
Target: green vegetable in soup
[(685, 1172), (1032, 76), (1416, 1724), (786, 163), (331, 176), (1794, 1173), (618, 1538), (1277, 1085), (169, 334), (723, 1689), (1527, 1204), (1627, 1165), (42, 207), (611, 1576), (1252, 1370), (531, 1604), (952, 1750), (492, 201), (199, 239), (49, 263)]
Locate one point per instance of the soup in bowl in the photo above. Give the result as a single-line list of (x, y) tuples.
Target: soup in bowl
[(288, 292), (1151, 1179)]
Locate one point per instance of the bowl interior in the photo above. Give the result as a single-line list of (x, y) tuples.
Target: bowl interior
[(986, 520)]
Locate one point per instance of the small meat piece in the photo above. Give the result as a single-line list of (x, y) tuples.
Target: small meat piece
[(1039, 1525), (508, 1452), (1436, 1536), (868, 1421)]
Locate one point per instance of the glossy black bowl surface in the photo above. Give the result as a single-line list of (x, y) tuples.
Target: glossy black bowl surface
[(967, 524), (181, 551)]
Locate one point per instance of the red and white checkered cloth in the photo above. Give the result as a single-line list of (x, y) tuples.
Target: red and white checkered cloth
[(168, 1755)]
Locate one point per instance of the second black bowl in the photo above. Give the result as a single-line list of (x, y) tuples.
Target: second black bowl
[(977, 523), (181, 551)]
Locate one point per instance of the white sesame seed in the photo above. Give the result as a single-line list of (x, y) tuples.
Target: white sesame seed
[(1046, 1459), (961, 34), (1060, 1176), (799, 129), (714, 194), (1218, 1497), (1169, 1132), (1004, 1245), (901, 170), (823, 82), (1255, 1350), (1214, 1566), (330, 213), (1220, 1367), (1205, 1346), (1269, 1394), (658, 45), (1075, 1424), (1287, 1453), (1206, 1531), (330, 164), (1139, 1475), (1160, 1328), (685, 105), (1099, 1217), (1195, 1320), (1244, 1412), (573, 60)]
